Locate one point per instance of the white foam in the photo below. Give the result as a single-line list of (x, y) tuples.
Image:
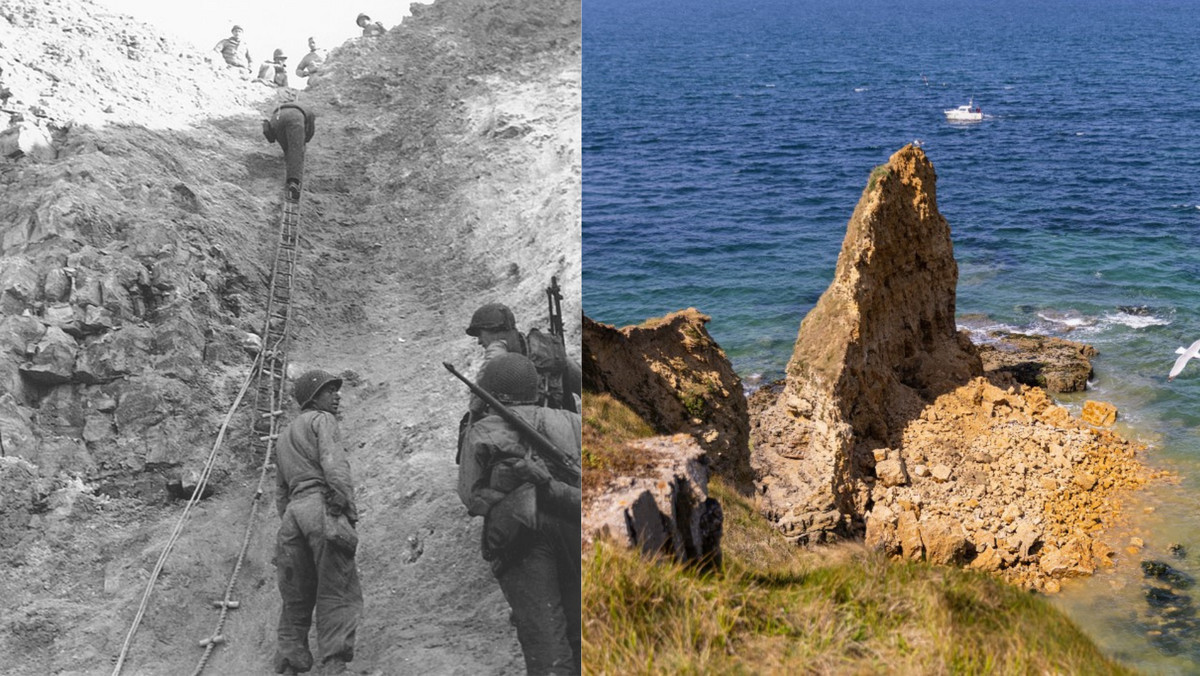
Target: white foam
[(981, 334), (1070, 319), (1135, 321)]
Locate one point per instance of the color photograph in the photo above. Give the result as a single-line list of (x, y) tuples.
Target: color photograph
[(888, 314)]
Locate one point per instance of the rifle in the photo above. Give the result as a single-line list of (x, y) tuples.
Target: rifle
[(554, 298), (528, 431)]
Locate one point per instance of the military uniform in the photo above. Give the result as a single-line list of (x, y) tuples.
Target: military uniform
[(531, 531), (560, 379), (293, 126), (275, 71), (233, 50), (313, 473), (370, 29)]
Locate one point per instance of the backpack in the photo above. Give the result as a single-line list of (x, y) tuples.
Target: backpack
[(549, 356)]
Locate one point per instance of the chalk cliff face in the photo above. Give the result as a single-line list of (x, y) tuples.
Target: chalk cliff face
[(879, 344)]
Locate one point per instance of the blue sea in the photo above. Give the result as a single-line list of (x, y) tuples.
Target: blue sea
[(725, 146)]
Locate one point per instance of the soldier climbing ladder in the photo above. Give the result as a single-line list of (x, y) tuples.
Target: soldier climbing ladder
[(270, 385), (269, 373)]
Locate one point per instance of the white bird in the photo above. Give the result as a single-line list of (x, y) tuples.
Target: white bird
[(1184, 356)]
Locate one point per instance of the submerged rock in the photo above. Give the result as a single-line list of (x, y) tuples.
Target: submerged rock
[(1166, 573)]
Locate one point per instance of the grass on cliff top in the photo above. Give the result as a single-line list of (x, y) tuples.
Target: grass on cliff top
[(608, 427), (777, 609)]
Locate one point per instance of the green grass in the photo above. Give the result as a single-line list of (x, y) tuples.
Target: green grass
[(608, 427), (775, 608), (877, 173)]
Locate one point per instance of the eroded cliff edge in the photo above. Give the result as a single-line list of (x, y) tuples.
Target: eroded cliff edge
[(887, 428)]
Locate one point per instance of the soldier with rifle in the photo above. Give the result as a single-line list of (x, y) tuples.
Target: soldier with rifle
[(560, 378), (520, 470)]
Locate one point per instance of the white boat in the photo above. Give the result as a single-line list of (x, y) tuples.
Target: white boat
[(967, 113)]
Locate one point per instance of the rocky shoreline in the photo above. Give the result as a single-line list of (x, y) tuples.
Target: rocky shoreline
[(891, 425)]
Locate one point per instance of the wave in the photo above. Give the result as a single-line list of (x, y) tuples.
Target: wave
[(1135, 320), (1068, 320), (1065, 323)]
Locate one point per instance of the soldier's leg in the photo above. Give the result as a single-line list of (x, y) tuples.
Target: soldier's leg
[(298, 593), (292, 121), (570, 572), (532, 588), (339, 600)]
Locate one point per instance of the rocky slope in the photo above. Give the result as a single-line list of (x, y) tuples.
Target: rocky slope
[(886, 428), (652, 493), (444, 174), (675, 377)]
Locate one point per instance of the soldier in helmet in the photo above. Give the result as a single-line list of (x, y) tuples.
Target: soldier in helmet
[(370, 29), (313, 477), (530, 501), (560, 379), (274, 72)]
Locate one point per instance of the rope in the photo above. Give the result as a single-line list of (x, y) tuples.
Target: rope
[(277, 350), (162, 558), (254, 504)]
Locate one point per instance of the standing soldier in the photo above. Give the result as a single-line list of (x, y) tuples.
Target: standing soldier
[(520, 470), (311, 63), (560, 379), (313, 487), (293, 127)]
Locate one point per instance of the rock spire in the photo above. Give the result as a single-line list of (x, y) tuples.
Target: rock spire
[(880, 343)]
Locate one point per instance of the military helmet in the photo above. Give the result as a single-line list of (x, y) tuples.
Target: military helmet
[(511, 378), (279, 54), (492, 317), (308, 385)]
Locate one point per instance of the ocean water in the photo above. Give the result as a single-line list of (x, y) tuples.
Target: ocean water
[(725, 146)]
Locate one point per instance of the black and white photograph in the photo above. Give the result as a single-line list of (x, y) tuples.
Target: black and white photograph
[(290, 319)]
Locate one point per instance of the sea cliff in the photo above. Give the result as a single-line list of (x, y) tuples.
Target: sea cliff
[(889, 426)]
